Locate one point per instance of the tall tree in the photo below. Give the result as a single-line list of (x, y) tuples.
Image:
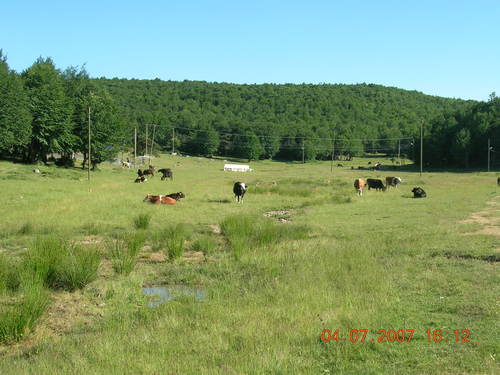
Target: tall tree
[(15, 118), (50, 110)]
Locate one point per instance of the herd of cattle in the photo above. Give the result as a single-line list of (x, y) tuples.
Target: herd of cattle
[(373, 183)]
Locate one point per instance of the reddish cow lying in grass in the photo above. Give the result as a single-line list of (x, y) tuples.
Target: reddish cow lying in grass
[(169, 199), (359, 184)]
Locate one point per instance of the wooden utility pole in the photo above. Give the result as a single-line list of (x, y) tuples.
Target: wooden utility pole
[(146, 142), (89, 157), (153, 139), (399, 151), (303, 154), (135, 146), (333, 152), (421, 146), (173, 140), (489, 151)]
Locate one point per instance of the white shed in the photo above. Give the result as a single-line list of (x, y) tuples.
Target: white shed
[(237, 168)]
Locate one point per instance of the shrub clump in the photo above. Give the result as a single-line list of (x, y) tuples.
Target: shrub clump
[(61, 264), (142, 221), (176, 236), (21, 317), (246, 231), (124, 251)]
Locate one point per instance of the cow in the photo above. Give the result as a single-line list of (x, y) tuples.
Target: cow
[(392, 181), (177, 196), (160, 199), (239, 190), (376, 184), (126, 164), (148, 172), (418, 192), (166, 173), (140, 179), (359, 184), (498, 181)]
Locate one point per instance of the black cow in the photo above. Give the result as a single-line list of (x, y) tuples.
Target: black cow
[(239, 190), (177, 196), (498, 181), (140, 179), (166, 173), (418, 192), (376, 184)]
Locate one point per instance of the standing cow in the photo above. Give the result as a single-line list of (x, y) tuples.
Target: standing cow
[(166, 173), (392, 181), (239, 190), (375, 184), (359, 184)]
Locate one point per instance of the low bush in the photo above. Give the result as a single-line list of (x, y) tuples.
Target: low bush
[(124, 251), (176, 236), (20, 318), (142, 221), (61, 264)]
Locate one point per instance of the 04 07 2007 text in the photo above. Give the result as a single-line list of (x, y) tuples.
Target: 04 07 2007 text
[(395, 336)]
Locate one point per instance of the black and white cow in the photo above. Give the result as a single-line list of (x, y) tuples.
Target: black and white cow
[(418, 192), (239, 190), (375, 184), (392, 181)]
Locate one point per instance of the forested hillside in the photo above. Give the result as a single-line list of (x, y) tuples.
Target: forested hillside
[(44, 110), (262, 121)]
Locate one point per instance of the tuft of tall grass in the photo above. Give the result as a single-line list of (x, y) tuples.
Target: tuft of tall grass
[(26, 228), (206, 244), (142, 221), (247, 231), (20, 318), (78, 268), (176, 236), (9, 274), (124, 251), (61, 264)]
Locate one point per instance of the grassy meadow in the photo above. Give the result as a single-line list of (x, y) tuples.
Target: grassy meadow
[(303, 253)]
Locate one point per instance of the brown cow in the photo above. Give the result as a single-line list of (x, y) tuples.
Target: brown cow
[(160, 199), (392, 182), (359, 184)]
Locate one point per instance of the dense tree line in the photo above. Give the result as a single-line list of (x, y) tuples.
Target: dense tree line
[(275, 121), (44, 110), (460, 138)]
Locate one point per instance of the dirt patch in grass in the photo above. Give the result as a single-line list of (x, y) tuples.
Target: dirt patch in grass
[(489, 218), (283, 216), (193, 256)]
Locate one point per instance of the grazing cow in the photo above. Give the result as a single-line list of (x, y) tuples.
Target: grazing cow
[(339, 165), (392, 181), (377, 166), (177, 196), (418, 192), (376, 184), (160, 199), (239, 190), (166, 173), (140, 179), (126, 164), (149, 171), (359, 184)]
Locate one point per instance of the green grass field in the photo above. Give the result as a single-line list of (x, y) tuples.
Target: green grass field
[(297, 257)]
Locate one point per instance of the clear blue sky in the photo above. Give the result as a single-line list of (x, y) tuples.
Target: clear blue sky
[(440, 47)]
